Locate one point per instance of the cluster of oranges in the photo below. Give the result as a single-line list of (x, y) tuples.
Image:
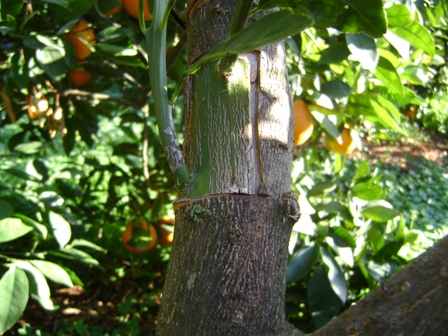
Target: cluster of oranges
[(140, 236), (82, 37), (304, 127)]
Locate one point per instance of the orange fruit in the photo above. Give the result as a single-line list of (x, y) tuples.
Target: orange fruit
[(80, 77), (410, 112), (131, 7), (303, 121), (346, 144), (166, 235), (81, 36), (133, 231)]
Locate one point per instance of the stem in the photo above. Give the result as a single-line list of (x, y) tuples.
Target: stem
[(156, 44)]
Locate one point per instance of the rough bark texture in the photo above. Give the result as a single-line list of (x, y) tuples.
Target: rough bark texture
[(413, 302), (228, 263), (227, 269), (228, 266)]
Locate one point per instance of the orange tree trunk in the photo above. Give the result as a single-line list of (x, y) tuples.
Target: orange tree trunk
[(228, 263)]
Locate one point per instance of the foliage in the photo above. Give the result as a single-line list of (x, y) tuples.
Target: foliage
[(78, 163)]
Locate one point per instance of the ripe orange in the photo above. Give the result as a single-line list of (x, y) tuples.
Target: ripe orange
[(346, 146), (80, 77), (81, 36), (303, 120), (410, 112), (133, 231), (38, 104), (131, 7), (166, 235)]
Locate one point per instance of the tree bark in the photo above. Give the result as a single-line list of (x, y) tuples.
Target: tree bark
[(227, 269), (413, 301), (227, 273)]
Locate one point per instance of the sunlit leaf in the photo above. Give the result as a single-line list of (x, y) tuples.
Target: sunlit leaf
[(39, 289), (342, 237), (14, 293), (363, 50), (270, 29), (362, 170), (31, 147), (80, 256), (388, 75), (53, 272), (368, 191), (379, 211), (403, 26), (61, 228), (12, 228)]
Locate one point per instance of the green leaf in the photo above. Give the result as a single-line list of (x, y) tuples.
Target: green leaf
[(39, 228), (61, 228), (376, 238), (336, 89), (39, 289), (342, 237), (116, 51), (363, 50), (12, 8), (364, 16), (383, 116), (417, 36), (14, 293), (80, 256), (86, 243), (301, 262), (321, 188), (388, 75), (379, 211), (326, 123), (73, 9), (398, 15), (62, 3), (335, 53), (53, 272), (12, 228), (322, 301), (31, 147), (6, 209), (270, 29), (368, 191), (334, 207), (362, 170), (335, 275)]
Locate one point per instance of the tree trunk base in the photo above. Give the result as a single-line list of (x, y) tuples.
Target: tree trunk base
[(227, 269)]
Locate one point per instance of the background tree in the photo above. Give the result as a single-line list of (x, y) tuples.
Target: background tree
[(74, 80)]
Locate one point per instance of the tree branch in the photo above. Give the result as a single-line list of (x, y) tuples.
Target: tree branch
[(411, 302)]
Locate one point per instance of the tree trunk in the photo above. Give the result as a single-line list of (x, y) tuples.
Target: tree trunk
[(228, 262), (227, 269)]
